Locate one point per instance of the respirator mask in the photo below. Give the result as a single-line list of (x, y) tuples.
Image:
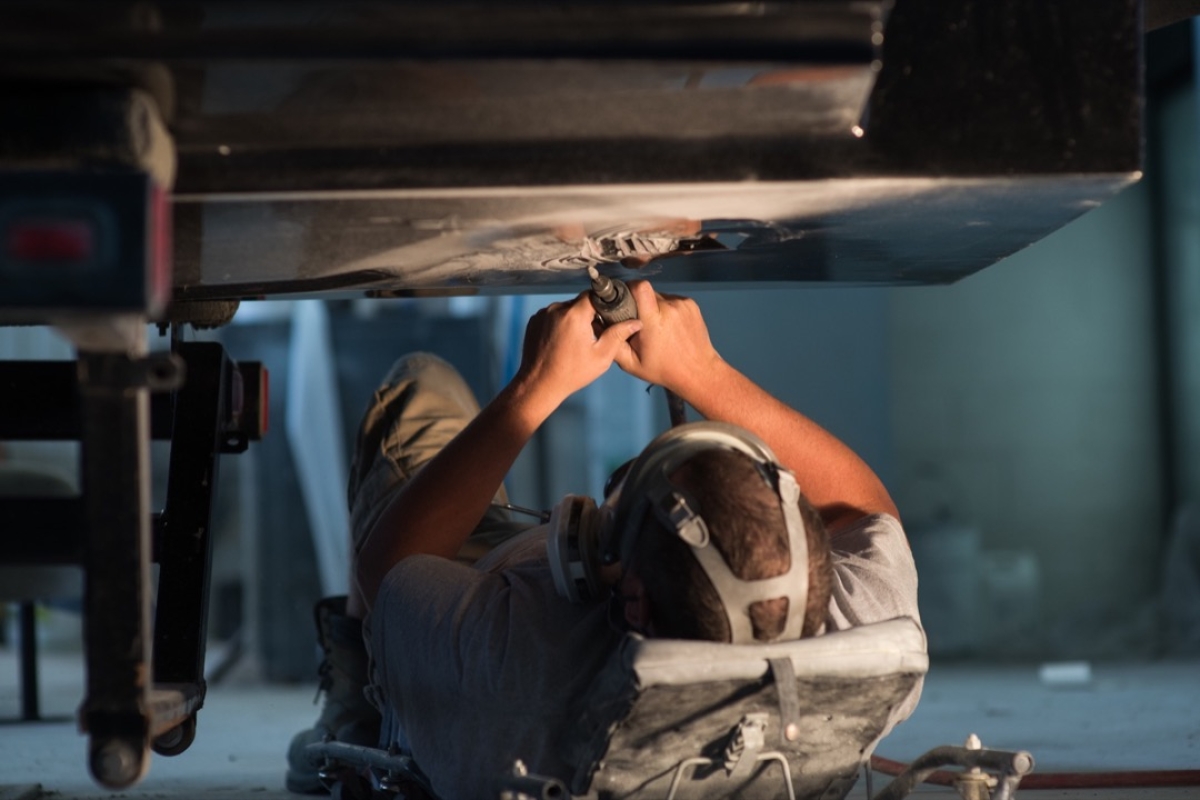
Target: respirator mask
[(584, 536)]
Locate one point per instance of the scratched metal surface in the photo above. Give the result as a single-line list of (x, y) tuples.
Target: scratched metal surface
[(888, 230)]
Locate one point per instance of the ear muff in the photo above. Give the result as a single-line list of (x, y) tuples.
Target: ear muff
[(573, 547)]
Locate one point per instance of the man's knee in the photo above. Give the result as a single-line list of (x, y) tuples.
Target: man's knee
[(423, 384), (417, 365)]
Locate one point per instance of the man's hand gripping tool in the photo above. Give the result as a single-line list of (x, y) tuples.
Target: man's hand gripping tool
[(613, 303)]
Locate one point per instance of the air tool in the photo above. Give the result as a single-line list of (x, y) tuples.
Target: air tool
[(611, 298), (613, 303)]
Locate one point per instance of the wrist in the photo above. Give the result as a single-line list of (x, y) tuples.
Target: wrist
[(700, 378)]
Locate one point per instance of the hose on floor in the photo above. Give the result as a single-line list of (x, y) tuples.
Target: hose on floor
[(1125, 779)]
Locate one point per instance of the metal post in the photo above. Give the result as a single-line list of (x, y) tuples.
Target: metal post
[(115, 475), (185, 545), (29, 675)]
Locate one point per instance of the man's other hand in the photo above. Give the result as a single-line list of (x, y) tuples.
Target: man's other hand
[(673, 349), (562, 353)]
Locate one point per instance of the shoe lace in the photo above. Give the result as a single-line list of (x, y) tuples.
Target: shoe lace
[(325, 669), (325, 679)]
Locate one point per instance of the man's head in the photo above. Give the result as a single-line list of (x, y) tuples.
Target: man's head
[(731, 497)]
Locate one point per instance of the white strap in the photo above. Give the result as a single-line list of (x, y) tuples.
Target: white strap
[(736, 594)]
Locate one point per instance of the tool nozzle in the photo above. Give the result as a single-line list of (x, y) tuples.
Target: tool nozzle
[(611, 298), (602, 285)]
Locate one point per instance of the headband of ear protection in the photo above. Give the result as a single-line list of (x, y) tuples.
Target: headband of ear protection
[(583, 536)]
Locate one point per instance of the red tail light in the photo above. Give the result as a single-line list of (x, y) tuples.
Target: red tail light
[(41, 240)]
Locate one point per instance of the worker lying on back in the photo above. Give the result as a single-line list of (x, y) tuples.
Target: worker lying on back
[(756, 526)]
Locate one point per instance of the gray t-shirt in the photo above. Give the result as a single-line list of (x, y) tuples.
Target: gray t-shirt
[(483, 665)]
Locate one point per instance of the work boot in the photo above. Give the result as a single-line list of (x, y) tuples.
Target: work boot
[(347, 716)]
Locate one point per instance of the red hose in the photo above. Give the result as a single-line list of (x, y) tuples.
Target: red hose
[(1126, 779)]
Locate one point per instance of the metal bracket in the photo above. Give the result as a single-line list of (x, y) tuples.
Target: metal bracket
[(521, 784), (975, 782), (745, 743), (743, 751), (388, 772), (700, 761)]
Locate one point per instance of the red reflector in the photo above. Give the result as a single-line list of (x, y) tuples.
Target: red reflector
[(264, 402), (39, 240)]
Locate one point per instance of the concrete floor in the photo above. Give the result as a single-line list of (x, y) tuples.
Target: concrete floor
[(1128, 716)]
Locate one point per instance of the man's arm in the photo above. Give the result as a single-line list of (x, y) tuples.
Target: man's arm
[(437, 509), (673, 350)]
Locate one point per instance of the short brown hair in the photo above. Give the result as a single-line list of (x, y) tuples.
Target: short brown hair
[(747, 526)]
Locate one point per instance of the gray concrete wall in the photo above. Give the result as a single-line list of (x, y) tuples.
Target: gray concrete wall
[(1023, 404), (1181, 213)]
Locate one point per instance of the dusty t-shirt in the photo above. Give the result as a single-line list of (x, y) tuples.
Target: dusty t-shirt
[(484, 665)]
